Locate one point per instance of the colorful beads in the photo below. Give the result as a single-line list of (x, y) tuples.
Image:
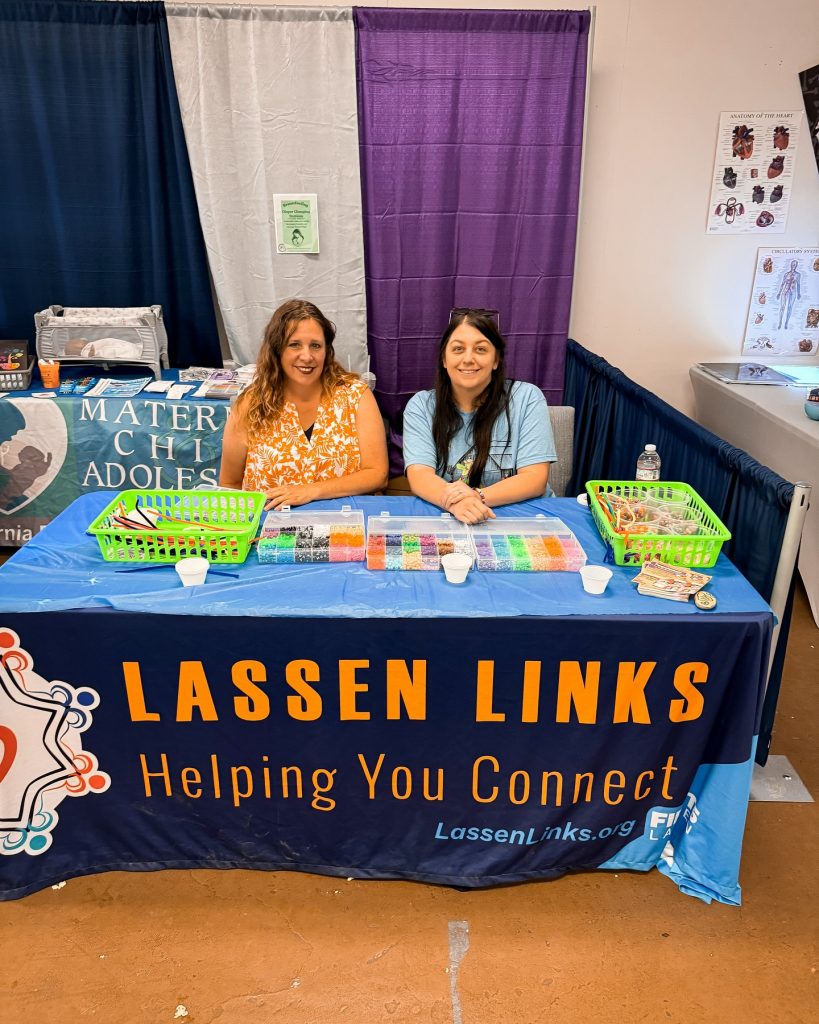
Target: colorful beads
[(417, 543), (290, 545), (412, 551), (516, 553)]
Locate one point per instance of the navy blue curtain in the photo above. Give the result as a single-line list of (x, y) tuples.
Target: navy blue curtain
[(614, 418), (96, 197)]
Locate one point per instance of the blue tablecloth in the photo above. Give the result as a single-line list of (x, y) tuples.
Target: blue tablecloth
[(330, 719), (62, 569)]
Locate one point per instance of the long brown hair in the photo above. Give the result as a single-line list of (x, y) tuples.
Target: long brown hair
[(264, 399), (492, 403)]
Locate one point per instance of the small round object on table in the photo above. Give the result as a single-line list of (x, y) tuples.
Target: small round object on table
[(812, 404), (705, 600)]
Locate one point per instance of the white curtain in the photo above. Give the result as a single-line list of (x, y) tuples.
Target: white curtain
[(268, 99)]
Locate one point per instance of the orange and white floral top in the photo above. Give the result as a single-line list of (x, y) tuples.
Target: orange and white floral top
[(282, 454)]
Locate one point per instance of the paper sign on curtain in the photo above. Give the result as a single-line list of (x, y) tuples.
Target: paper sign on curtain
[(296, 219)]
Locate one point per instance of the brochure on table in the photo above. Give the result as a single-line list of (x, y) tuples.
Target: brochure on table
[(112, 388), (225, 383)]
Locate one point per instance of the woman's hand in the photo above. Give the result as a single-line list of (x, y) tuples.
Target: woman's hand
[(291, 494), (471, 509), (454, 492)]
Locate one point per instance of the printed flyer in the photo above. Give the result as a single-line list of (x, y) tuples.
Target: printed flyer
[(783, 315), (296, 218), (753, 172)]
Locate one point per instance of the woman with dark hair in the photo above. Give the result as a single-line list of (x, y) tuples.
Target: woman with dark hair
[(478, 440), (305, 429)]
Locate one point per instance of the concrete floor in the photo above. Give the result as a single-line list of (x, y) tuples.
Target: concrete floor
[(209, 947)]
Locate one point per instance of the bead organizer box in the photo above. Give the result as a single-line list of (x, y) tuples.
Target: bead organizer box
[(414, 542), (527, 545), (291, 538)]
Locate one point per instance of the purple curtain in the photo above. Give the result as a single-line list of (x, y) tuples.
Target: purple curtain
[(470, 129)]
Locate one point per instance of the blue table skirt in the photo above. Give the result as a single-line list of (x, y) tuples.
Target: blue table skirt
[(62, 569), (544, 731)]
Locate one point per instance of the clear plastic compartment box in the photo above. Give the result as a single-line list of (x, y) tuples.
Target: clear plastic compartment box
[(414, 542), (537, 544), (292, 538)]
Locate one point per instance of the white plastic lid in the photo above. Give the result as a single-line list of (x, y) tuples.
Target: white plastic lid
[(651, 447)]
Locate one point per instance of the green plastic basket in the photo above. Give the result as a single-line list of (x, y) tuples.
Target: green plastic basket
[(699, 549), (218, 525)]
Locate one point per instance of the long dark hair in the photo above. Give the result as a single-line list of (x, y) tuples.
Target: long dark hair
[(264, 399), (492, 403)]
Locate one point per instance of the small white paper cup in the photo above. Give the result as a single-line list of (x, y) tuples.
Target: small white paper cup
[(192, 571), (369, 380), (456, 566), (595, 578)]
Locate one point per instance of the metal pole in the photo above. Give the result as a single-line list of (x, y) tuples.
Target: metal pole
[(787, 561)]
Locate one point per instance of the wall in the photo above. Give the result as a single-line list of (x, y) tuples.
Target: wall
[(653, 292)]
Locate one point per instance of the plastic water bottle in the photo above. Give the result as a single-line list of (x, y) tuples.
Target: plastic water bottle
[(648, 464)]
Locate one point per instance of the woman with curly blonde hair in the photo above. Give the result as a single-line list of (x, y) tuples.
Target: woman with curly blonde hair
[(305, 429)]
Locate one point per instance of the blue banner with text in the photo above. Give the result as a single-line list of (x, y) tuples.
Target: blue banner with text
[(439, 750), (54, 449)]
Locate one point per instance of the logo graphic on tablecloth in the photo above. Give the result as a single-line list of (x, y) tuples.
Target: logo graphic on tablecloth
[(33, 456), (42, 760)]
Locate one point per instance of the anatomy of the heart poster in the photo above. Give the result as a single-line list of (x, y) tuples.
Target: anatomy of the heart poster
[(783, 315), (753, 172)]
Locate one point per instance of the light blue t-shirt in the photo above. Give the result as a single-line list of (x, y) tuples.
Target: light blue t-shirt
[(524, 441)]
